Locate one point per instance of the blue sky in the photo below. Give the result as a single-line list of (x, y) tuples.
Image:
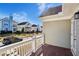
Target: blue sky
[(25, 11)]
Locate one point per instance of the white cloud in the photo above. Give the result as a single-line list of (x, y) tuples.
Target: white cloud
[(41, 7), (49, 5), (20, 17), (44, 6), (3, 16)]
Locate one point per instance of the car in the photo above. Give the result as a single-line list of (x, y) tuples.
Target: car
[(10, 40), (6, 41)]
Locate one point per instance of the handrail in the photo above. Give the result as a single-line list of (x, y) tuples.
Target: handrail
[(14, 44)]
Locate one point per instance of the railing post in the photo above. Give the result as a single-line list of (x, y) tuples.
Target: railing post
[(24, 47), (34, 44), (43, 38)]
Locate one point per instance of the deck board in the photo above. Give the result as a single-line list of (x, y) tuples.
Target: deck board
[(50, 50)]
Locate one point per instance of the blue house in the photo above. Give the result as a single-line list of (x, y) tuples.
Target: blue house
[(6, 24)]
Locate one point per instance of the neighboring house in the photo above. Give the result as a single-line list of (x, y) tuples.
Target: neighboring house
[(6, 24), (40, 28), (60, 27), (24, 26), (15, 24), (34, 27)]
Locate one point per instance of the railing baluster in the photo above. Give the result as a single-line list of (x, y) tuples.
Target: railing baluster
[(22, 48), (19, 50)]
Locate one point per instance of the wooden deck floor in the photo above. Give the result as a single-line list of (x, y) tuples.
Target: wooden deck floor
[(49, 50)]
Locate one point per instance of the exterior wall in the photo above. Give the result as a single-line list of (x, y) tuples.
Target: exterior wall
[(69, 8), (19, 27), (34, 28), (0, 25), (10, 23), (14, 26), (57, 33), (6, 24), (39, 28), (26, 27)]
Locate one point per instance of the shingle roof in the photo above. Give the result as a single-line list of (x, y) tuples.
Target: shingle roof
[(34, 25), (22, 23), (52, 11)]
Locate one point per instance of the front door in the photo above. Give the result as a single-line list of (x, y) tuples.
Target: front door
[(77, 37), (73, 36)]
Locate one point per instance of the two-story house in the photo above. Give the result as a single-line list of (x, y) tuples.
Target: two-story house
[(24, 26), (14, 26), (6, 24), (34, 27)]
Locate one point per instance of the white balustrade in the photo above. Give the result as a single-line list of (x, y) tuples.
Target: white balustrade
[(39, 41), (23, 48)]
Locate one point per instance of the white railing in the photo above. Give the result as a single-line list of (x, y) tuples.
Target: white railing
[(23, 48), (39, 42)]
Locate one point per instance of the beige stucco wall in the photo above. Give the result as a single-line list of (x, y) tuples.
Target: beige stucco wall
[(57, 33)]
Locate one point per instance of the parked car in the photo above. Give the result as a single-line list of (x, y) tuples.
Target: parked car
[(10, 40)]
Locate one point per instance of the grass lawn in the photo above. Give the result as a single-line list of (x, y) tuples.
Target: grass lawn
[(1, 38), (23, 35)]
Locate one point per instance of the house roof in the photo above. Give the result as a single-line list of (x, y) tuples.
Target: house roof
[(52, 11), (22, 23), (68, 10), (5, 18), (34, 25), (15, 21)]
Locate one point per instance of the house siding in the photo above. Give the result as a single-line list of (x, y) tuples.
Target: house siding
[(6, 24), (57, 33), (0, 25)]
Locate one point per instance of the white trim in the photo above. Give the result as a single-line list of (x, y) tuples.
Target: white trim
[(61, 16), (56, 19)]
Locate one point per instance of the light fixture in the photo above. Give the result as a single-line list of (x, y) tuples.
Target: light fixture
[(76, 15)]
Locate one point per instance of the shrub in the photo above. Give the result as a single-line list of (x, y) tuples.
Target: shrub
[(17, 32), (22, 30), (5, 32)]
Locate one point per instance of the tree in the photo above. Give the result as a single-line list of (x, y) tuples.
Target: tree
[(37, 31), (22, 30)]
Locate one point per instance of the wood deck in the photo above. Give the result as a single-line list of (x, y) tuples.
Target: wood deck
[(49, 50)]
